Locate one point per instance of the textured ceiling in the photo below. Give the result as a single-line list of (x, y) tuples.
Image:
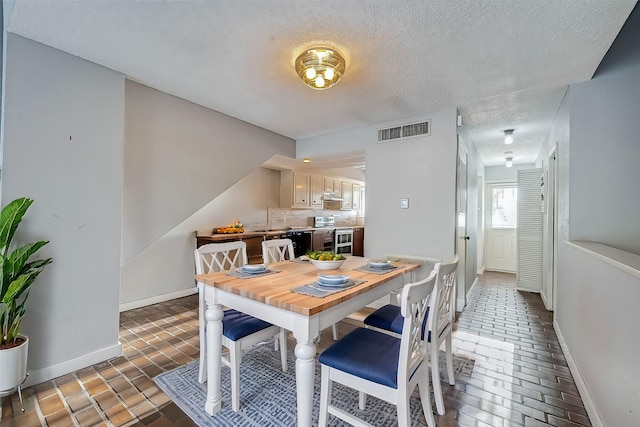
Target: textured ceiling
[(503, 64)]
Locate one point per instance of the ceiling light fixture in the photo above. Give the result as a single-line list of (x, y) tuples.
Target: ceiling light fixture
[(306, 160), (508, 156), (508, 136), (320, 67)]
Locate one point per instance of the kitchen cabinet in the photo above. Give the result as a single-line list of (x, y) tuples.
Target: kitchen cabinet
[(355, 198), (323, 240), (316, 191), (294, 189), (358, 241), (328, 185), (254, 249), (337, 188), (347, 196)]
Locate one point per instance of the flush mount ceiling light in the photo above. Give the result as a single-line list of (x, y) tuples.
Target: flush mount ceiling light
[(306, 160), (508, 136), (320, 67), (508, 156)]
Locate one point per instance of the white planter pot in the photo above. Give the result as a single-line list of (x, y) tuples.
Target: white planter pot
[(13, 366)]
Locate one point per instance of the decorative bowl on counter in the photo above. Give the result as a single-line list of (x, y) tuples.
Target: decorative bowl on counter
[(327, 265)]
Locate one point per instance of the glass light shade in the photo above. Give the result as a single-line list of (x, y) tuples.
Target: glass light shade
[(508, 136), (320, 67), (509, 162)]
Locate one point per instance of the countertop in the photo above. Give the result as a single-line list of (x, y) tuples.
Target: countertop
[(262, 233)]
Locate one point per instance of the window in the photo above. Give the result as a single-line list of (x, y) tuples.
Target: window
[(504, 203)]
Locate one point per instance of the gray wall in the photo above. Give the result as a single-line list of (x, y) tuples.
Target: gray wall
[(596, 317), (178, 158), (499, 173), (62, 145), (605, 149)]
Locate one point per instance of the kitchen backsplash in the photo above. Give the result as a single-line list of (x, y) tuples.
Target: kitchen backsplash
[(282, 218)]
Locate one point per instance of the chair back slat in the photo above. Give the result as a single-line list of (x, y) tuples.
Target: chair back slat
[(277, 250), (220, 257), (415, 301), (444, 299)]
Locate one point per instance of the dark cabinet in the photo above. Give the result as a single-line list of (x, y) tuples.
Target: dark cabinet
[(254, 245), (358, 241), (323, 240)]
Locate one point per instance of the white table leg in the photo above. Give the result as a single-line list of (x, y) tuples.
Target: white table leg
[(305, 373), (214, 316)]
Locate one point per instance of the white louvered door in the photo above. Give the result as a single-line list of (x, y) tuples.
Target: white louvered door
[(529, 234)]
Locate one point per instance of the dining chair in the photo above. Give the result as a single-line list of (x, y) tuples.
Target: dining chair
[(382, 365), (388, 319), (277, 250), (239, 330)]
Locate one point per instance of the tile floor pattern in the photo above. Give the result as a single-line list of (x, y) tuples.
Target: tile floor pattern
[(520, 377)]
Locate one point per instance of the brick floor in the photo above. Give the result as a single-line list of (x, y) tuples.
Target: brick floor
[(520, 376)]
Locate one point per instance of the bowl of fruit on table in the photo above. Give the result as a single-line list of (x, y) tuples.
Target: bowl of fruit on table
[(326, 260)]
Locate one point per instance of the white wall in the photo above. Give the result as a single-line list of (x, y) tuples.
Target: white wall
[(499, 173), (421, 169), (180, 160), (62, 146), (178, 157), (165, 268), (598, 318)]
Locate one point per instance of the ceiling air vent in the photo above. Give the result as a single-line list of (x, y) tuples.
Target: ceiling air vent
[(405, 131)]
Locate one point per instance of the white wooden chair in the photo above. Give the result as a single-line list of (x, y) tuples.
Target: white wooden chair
[(277, 250), (239, 330), (382, 365), (389, 320)]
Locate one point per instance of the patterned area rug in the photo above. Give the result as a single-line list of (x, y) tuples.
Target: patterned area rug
[(268, 395)]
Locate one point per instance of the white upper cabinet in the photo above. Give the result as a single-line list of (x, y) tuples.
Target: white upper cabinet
[(317, 191), (347, 196)]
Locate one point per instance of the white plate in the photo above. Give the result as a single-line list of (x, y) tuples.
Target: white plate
[(380, 264), (253, 268), (332, 280)]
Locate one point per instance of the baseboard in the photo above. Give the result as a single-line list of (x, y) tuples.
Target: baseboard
[(55, 371), (158, 299), (481, 270), (475, 282), (589, 404), (528, 290)]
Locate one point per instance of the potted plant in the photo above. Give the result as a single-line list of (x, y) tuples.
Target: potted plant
[(18, 274)]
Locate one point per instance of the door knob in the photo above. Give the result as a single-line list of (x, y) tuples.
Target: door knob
[(466, 237)]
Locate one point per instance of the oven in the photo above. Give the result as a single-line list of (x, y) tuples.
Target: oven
[(344, 241)]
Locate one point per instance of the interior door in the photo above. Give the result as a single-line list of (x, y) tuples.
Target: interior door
[(461, 230), (501, 222)]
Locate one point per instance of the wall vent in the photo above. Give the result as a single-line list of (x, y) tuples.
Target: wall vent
[(405, 131)]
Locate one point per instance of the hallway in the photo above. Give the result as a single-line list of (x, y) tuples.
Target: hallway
[(520, 376)]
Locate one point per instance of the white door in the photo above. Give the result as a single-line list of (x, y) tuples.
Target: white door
[(461, 229), (501, 222)]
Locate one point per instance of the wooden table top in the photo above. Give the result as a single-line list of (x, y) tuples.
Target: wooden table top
[(275, 289)]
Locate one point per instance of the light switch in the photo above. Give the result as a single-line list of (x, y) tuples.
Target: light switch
[(404, 203)]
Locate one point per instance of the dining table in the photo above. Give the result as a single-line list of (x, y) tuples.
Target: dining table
[(270, 297)]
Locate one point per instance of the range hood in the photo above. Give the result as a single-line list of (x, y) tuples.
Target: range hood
[(331, 197)]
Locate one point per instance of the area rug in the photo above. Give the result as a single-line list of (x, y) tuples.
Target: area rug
[(268, 395)]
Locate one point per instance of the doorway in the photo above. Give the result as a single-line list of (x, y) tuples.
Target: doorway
[(501, 226), (549, 229), (461, 227)]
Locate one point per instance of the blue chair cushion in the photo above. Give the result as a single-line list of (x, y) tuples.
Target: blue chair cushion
[(367, 354), (389, 318), (236, 325)]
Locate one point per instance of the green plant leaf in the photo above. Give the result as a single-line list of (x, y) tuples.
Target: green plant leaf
[(10, 218)]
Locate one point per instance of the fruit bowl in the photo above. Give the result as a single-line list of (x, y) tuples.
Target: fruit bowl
[(327, 265)]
